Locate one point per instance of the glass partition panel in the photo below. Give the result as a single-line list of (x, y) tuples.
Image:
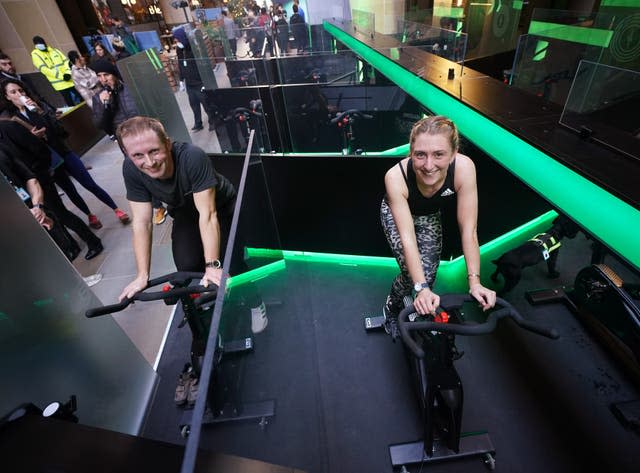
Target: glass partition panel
[(48, 348), (146, 76), (603, 103), (612, 32), (363, 21), (323, 67), (546, 66), (447, 43), (348, 118), (241, 395), (492, 27)]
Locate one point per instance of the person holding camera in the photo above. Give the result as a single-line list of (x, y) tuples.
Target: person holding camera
[(53, 64)]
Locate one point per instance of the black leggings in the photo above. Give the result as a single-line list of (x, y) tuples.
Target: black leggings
[(188, 253)]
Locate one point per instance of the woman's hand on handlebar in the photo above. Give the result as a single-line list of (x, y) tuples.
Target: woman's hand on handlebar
[(135, 286), (486, 297), (426, 302), (211, 275)]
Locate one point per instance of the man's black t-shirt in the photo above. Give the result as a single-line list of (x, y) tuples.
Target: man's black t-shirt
[(193, 172)]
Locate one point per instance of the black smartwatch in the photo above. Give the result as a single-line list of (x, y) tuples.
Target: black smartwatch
[(215, 264)]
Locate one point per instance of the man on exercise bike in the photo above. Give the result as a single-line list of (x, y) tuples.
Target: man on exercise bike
[(416, 190), (200, 200)]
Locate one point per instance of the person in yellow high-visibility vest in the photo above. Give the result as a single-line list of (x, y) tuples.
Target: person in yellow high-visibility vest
[(54, 65)]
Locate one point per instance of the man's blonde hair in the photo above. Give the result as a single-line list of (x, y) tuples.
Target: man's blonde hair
[(136, 126)]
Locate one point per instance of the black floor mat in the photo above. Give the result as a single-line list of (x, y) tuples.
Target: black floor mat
[(343, 395)]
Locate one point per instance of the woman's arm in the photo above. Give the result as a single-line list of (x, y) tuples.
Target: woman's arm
[(397, 194), (467, 192)]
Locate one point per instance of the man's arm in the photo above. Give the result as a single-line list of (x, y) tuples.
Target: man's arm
[(205, 202), (141, 213)]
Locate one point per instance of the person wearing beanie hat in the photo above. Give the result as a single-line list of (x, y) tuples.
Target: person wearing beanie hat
[(84, 79), (53, 64), (113, 105), (107, 67), (190, 80)]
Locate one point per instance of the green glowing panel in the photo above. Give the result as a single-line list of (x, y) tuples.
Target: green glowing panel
[(566, 189), (574, 34), (620, 3), (517, 4), (452, 274), (256, 274), (451, 12), (541, 50), (402, 150)]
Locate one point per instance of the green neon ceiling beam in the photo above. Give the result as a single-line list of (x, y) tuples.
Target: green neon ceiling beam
[(610, 219), (574, 34)]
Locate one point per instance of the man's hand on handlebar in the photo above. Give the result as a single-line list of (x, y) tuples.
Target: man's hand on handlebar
[(426, 302), (486, 297), (135, 286), (211, 275)]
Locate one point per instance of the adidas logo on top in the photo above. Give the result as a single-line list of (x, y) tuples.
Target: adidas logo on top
[(446, 192)]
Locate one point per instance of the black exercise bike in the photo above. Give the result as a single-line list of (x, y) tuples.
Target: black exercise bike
[(197, 304), (430, 348)]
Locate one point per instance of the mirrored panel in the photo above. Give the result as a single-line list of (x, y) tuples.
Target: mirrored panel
[(603, 104)]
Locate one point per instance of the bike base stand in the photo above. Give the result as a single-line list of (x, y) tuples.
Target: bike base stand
[(261, 410), (477, 445)]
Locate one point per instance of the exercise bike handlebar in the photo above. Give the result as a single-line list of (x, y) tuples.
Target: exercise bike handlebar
[(179, 278), (350, 113), (453, 301)]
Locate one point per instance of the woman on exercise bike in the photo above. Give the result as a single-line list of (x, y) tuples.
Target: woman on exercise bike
[(416, 190)]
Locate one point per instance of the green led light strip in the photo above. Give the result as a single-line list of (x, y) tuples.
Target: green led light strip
[(620, 3), (452, 12), (452, 274), (256, 274), (613, 221), (574, 34)]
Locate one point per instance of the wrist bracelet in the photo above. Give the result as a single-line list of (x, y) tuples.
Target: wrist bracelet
[(473, 275)]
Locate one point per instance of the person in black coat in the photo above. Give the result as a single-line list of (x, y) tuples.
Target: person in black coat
[(21, 146), (191, 81), (299, 30)]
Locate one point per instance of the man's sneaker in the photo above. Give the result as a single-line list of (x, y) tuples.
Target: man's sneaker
[(259, 318), (182, 389), (192, 393), (93, 279), (159, 215), (122, 216), (94, 222), (197, 128)]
